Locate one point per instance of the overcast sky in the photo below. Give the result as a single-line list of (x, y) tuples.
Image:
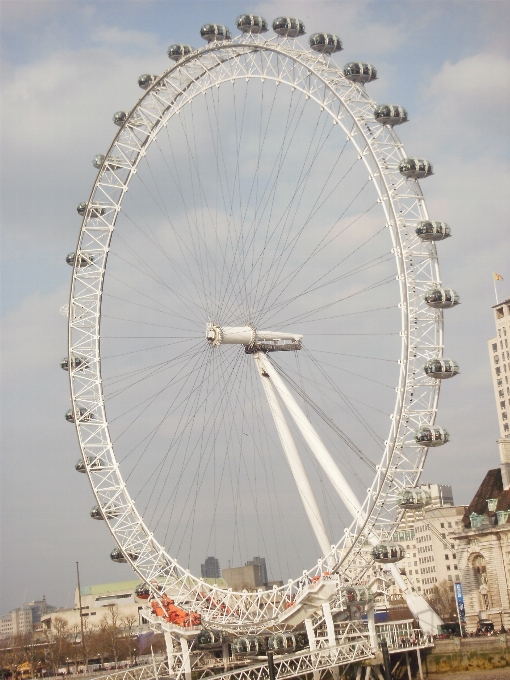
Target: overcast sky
[(66, 67)]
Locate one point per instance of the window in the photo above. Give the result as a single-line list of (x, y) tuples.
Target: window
[(447, 557), (447, 567), (496, 359), (449, 525), (498, 370), (494, 346), (503, 415), (505, 427), (502, 404), (454, 556), (501, 393), (500, 313), (442, 525), (455, 567)]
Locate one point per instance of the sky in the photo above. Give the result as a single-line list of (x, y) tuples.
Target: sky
[(66, 67)]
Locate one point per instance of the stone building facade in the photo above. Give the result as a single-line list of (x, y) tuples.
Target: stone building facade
[(483, 550)]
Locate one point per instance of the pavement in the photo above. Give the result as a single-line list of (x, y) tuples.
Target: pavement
[(493, 674)]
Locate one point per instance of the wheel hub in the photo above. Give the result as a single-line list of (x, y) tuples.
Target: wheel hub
[(252, 339)]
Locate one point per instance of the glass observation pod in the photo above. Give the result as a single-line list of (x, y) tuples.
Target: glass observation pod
[(360, 72), (177, 52), (83, 259), (325, 43), (431, 435), (95, 209), (413, 498), (94, 464), (84, 417), (208, 638), (112, 163), (441, 369), (390, 114), (215, 33), (146, 80), (117, 555), (120, 117), (286, 642), (356, 595), (441, 298), (433, 231), (415, 168), (110, 512), (142, 591), (77, 363), (249, 644), (288, 27), (251, 23), (388, 552)]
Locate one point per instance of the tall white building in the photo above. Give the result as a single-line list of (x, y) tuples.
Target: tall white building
[(499, 351), (427, 537)]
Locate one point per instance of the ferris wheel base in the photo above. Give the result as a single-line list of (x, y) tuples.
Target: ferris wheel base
[(310, 599), (426, 617)]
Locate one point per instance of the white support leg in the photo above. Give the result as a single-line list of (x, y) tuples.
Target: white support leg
[(313, 440), (311, 643), (330, 627), (372, 630), (294, 460), (421, 610), (169, 650), (186, 661)]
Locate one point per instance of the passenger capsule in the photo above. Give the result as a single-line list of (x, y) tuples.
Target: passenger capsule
[(209, 638), (95, 209), (357, 595), (288, 27), (431, 435), (413, 498), (178, 52), (80, 466), (249, 645), (388, 552), (251, 23), (283, 643), (215, 33), (121, 117), (325, 43), (117, 555), (433, 231), (441, 298), (142, 591), (390, 114), (112, 163), (146, 80), (415, 168), (441, 369), (83, 259), (84, 415), (360, 72), (77, 363), (109, 512)]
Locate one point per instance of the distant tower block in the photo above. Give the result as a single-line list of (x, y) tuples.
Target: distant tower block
[(210, 568)]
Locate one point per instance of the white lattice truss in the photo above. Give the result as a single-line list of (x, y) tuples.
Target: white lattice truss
[(349, 106)]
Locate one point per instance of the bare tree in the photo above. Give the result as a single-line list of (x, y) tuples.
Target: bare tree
[(128, 623), (442, 600), (59, 647)]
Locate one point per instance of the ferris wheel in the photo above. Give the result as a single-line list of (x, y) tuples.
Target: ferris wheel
[(256, 326)]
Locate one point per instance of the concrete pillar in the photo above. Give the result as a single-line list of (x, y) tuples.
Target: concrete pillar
[(169, 650), (186, 662), (311, 643)]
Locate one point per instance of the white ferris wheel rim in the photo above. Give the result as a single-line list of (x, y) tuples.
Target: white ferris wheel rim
[(346, 102)]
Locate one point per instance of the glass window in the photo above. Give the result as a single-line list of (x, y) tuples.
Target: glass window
[(495, 347)]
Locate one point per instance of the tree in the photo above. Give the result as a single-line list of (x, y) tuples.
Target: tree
[(442, 601), (58, 650), (128, 623)]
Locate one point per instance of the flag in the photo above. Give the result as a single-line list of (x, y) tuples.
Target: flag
[(497, 277)]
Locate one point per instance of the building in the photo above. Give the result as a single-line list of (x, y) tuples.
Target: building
[(248, 577), (262, 562), (483, 543), (499, 352), (428, 538), (25, 619), (210, 568)]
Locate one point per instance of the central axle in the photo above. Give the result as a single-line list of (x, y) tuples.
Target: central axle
[(252, 339)]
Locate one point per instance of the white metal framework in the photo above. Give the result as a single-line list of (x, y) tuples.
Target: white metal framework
[(345, 558)]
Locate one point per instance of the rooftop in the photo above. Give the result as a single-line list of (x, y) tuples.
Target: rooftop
[(491, 487)]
